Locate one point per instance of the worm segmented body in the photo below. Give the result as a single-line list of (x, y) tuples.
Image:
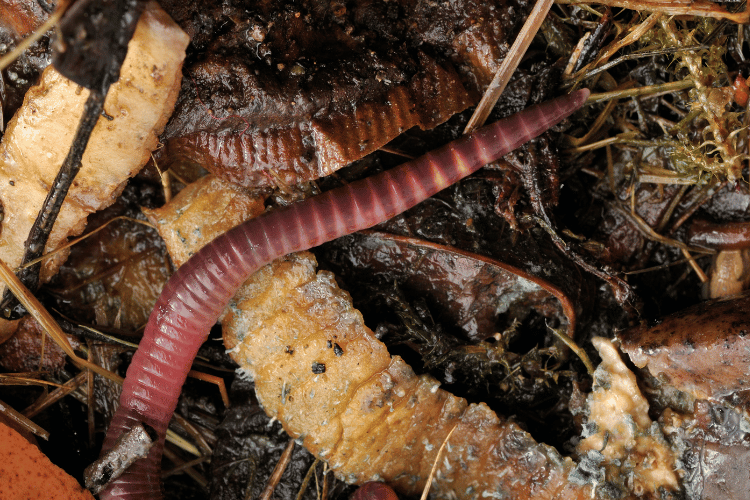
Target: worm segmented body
[(197, 293)]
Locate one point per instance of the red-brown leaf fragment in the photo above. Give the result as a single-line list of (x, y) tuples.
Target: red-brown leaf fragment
[(292, 92), (703, 350)]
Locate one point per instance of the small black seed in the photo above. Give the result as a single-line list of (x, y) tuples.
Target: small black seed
[(318, 368), (337, 350)]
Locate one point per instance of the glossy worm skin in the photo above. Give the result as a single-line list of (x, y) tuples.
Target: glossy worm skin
[(719, 236), (374, 491), (197, 293)]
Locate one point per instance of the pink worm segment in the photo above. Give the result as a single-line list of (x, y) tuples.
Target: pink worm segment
[(198, 292)]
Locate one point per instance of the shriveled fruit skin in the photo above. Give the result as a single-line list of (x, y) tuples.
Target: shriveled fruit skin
[(324, 375), (39, 135), (25, 472)]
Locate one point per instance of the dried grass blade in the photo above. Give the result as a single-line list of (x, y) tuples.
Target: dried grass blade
[(509, 65), (19, 49), (23, 421), (427, 485), (54, 396), (43, 317)]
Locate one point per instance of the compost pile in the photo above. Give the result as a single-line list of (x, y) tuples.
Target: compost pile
[(633, 209)]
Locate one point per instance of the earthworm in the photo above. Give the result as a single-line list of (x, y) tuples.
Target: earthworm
[(719, 236), (197, 293), (374, 491)]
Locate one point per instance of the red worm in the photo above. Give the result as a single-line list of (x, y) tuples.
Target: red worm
[(719, 236), (197, 293), (374, 491)]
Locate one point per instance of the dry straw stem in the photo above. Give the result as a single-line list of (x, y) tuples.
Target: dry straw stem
[(702, 8), (278, 471), (19, 49), (43, 317), (509, 65), (22, 421)]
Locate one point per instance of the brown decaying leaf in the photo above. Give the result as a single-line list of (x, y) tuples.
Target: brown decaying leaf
[(22, 17), (472, 289), (22, 352), (315, 89), (697, 367)]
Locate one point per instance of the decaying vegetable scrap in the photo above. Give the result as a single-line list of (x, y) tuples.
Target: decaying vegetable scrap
[(621, 442), (25, 472), (366, 413), (37, 139), (695, 366), (289, 92), (209, 198)]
